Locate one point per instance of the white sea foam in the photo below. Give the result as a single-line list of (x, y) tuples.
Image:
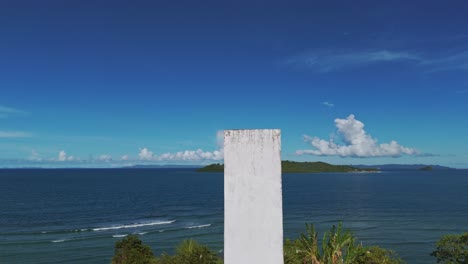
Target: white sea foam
[(119, 235), (58, 241), (142, 233), (134, 225), (80, 230), (199, 226)]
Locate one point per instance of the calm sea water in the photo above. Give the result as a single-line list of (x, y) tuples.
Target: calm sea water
[(76, 216)]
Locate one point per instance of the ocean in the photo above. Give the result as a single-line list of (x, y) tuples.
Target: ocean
[(77, 215)]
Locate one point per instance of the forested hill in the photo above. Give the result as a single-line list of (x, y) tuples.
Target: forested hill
[(298, 167)]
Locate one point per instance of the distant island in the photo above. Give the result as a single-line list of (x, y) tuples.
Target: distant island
[(167, 166), (426, 168), (299, 167)]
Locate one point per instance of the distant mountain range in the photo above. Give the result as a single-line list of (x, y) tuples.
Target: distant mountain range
[(404, 167), (288, 166), (169, 166)]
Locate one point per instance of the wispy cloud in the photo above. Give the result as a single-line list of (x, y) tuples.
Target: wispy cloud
[(35, 156), (357, 143), (14, 134), (8, 111), (328, 104), (455, 61), (105, 157), (327, 61)]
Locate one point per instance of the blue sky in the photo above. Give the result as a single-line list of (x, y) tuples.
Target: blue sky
[(109, 83)]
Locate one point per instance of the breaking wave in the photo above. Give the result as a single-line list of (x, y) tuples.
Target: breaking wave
[(199, 226), (134, 225)]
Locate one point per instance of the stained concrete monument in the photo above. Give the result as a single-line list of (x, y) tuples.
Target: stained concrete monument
[(253, 207)]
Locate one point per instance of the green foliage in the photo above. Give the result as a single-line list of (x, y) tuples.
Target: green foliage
[(308, 245), (338, 247), (292, 254), (374, 255), (296, 167), (212, 168), (452, 249), (130, 250), (426, 168), (304, 167), (190, 252)]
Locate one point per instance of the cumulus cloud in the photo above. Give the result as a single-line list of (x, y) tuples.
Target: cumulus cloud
[(125, 157), (62, 156), (191, 155), (357, 143), (145, 154), (197, 155), (105, 157), (186, 155)]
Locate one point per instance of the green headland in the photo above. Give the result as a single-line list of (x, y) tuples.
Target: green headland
[(299, 167)]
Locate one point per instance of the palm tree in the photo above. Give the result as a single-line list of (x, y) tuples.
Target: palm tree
[(337, 246), (308, 246)]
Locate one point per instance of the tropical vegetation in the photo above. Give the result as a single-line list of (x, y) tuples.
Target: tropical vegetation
[(131, 250), (337, 246), (452, 249)]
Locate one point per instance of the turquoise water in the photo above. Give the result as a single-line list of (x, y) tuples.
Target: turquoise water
[(76, 215)]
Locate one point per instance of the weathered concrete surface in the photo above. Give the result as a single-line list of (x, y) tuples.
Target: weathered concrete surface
[(253, 207)]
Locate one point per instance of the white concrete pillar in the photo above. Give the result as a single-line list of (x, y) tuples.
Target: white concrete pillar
[(253, 203)]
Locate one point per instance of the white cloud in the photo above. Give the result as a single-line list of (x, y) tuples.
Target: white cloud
[(14, 134), (35, 156), (145, 154), (324, 61), (191, 155), (62, 156), (220, 139), (105, 157), (327, 61), (455, 61), (186, 155), (328, 104), (357, 143), (8, 111), (125, 157)]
